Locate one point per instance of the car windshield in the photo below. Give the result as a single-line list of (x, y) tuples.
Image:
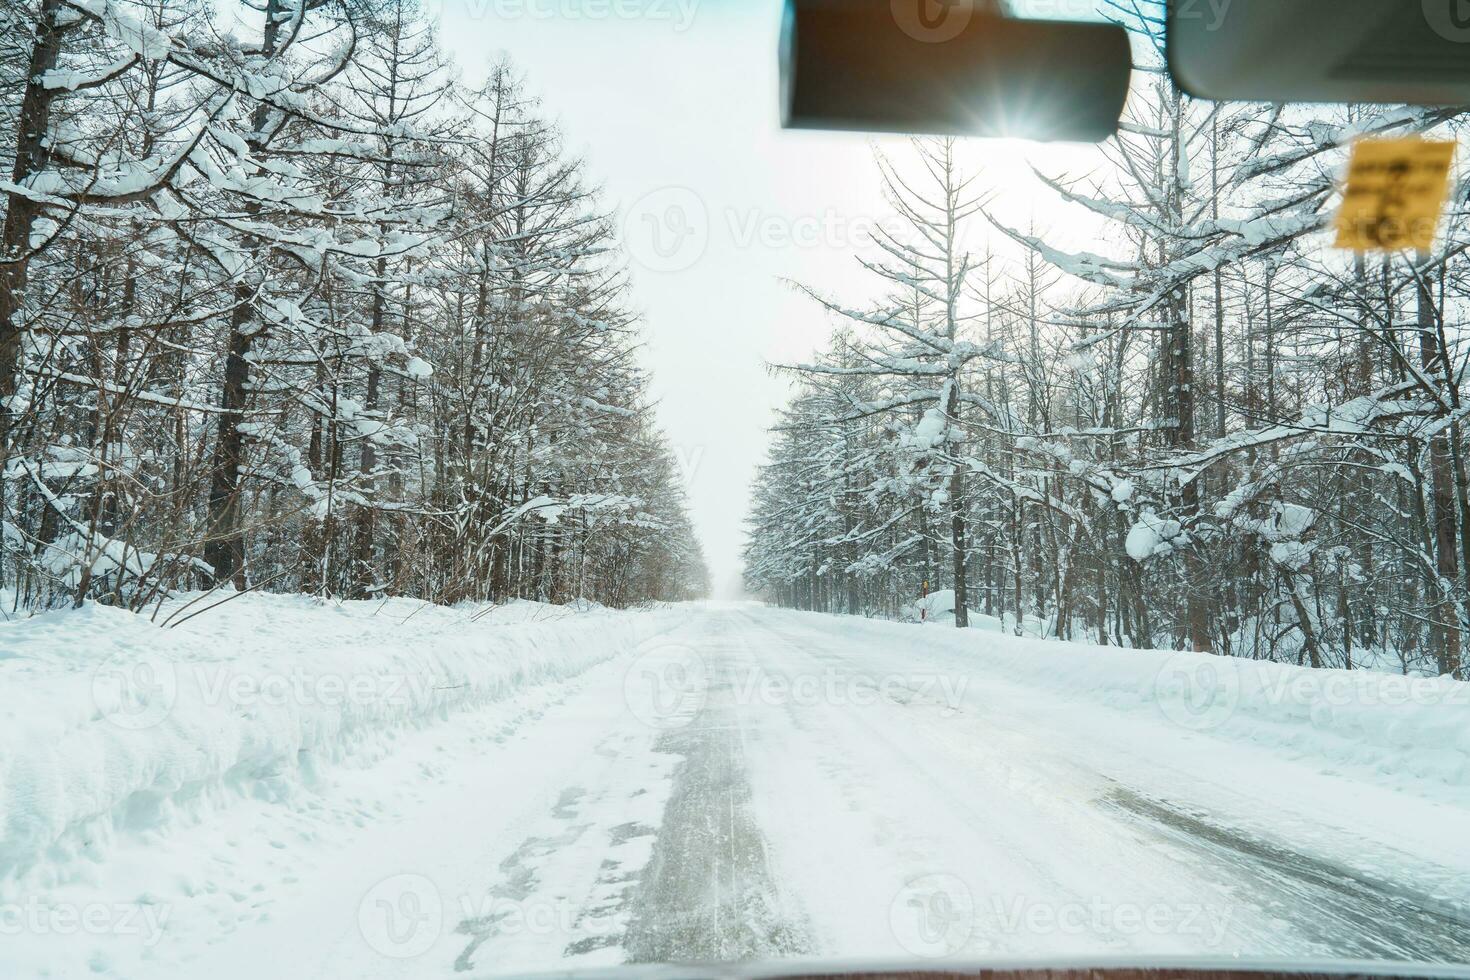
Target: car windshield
[(481, 497)]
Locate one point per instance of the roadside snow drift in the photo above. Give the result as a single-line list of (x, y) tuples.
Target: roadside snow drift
[(1410, 731), (112, 725)]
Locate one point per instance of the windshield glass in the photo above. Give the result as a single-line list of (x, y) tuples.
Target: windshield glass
[(480, 497)]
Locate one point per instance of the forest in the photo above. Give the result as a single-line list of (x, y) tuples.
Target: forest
[(1213, 433), (286, 305)]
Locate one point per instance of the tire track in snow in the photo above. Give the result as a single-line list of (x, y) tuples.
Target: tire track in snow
[(1352, 914), (708, 894), (564, 891)]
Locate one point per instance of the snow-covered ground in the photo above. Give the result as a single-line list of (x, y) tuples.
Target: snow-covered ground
[(278, 788)]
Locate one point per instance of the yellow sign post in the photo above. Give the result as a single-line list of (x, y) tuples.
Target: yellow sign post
[(1396, 189)]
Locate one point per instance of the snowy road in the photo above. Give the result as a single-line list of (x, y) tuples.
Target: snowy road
[(761, 784), (836, 798)]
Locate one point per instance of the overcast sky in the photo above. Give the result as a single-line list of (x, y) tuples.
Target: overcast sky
[(673, 105)]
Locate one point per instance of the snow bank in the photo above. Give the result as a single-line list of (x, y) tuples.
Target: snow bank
[(937, 608), (1406, 728), (1407, 731), (112, 725)]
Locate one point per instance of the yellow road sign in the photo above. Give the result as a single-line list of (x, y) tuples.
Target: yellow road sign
[(1396, 189)]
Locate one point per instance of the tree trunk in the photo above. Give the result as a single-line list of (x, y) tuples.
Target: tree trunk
[(225, 547), (224, 550), (1441, 479), (20, 215)]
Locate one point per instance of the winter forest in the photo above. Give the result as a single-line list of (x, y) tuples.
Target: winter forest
[(1212, 433), (284, 305)]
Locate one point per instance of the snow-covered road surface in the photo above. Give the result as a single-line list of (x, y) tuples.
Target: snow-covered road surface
[(756, 784)]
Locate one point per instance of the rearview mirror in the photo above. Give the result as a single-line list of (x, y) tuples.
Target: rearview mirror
[(921, 66), (1415, 51)]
